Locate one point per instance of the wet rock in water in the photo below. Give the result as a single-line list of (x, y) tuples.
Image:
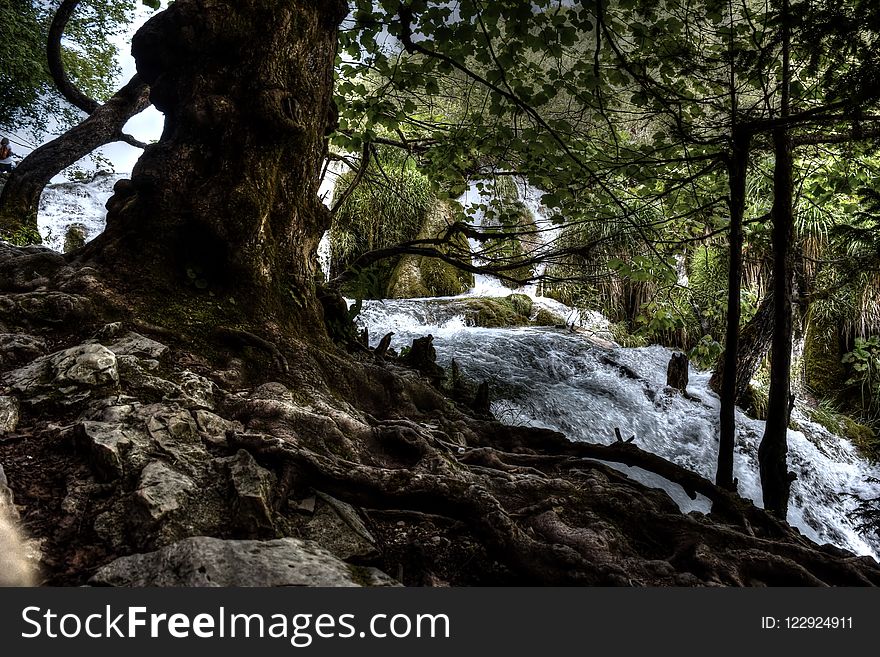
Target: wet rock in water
[(75, 237), (423, 357), (203, 562), (481, 403), (384, 344), (677, 372), (66, 377)]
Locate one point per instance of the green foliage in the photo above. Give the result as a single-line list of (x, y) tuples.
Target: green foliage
[(30, 102), (864, 368), (22, 237), (706, 352), (387, 208)]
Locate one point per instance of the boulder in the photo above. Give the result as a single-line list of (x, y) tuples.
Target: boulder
[(212, 562), (421, 276), (105, 444), (66, 377), (162, 489), (75, 237), (135, 344)]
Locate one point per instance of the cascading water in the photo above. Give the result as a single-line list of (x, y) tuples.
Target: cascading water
[(567, 381), (562, 380), (63, 205)]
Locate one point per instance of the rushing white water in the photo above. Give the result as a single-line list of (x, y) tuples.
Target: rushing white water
[(64, 205), (561, 380)]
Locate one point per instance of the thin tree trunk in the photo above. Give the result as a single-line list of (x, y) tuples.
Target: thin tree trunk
[(773, 451), (56, 64), (737, 169), (20, 198)]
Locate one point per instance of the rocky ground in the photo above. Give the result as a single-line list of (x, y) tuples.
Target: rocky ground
[(135, 454)]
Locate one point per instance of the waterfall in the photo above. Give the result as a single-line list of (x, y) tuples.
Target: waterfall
[(563, 380), (63, 205)]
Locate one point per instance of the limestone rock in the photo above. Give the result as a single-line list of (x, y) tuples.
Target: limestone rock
[(212, 562), (65, 377), (197, 390), (136, 379), (106, 443), (162, 489), (9, 414), (135, 344), (213, 427), (253, 486)]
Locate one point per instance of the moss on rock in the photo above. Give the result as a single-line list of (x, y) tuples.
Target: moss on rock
[(822, 356), (513, 310), (421, 276)]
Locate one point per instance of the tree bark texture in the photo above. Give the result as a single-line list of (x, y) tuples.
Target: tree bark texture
[(20, 199), (754, 342), (772, 454), (228, 196)]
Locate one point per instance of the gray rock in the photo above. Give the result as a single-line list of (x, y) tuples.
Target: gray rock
[(135, 378), (135, 344), (162, 489), (203, 561), (106, 444), (213, 427), (197, 390), (9, 414), (18, 348), (65, 377), (253, 486)]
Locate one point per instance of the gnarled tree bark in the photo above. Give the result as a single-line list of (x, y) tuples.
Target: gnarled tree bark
[(225, 206)]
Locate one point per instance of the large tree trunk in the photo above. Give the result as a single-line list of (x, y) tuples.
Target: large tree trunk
[(225, 205), (737, 170), (754, 342), (20, 199)]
